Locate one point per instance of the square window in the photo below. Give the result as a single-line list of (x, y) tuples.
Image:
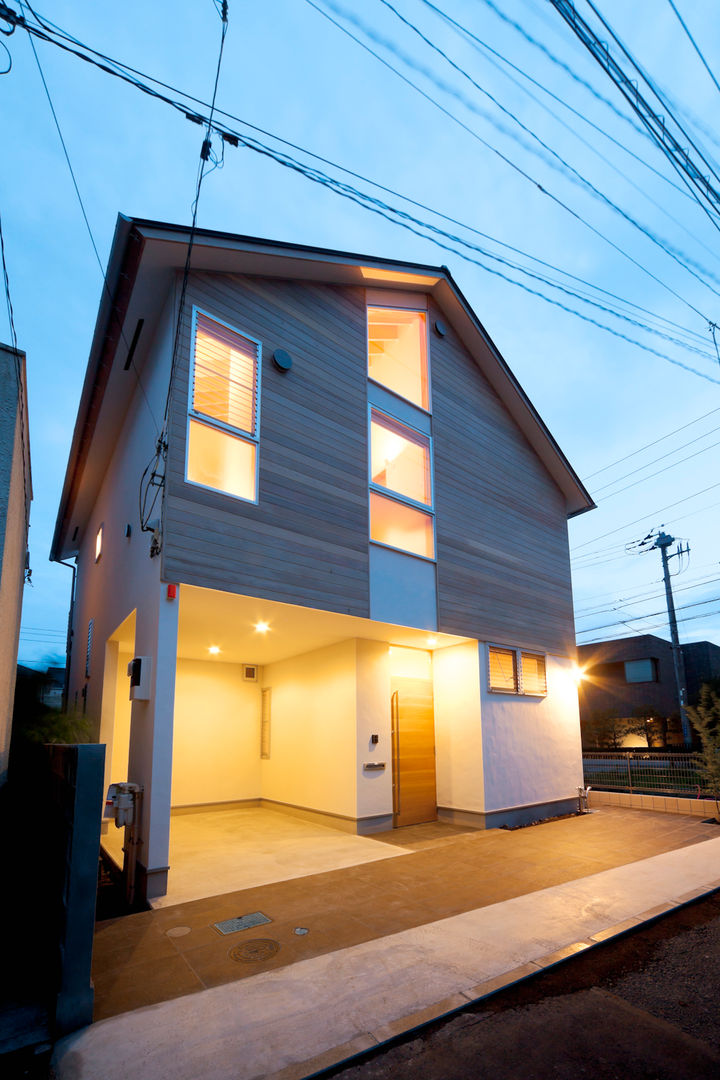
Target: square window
[(640, 671), (502, 668), (225, 375), (399, 459), (219, 460), (401, 526), (398, 354), (533, 677)]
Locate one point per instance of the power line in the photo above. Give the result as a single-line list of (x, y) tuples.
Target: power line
[(127, 68), (561, 64), (653, 443), (640, 599), (408, 222), (659, 471), (706, 195), (694, 44), (652, 514), (681, 258), (498, 60), (351, 17), (646, 630), (82, 209), (650, 615)]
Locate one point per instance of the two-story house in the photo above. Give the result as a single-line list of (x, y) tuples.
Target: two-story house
[(354, 598)]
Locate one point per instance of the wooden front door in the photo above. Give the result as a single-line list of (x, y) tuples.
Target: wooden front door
[(413, 730)]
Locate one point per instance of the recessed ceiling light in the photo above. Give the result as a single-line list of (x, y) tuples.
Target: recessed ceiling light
[(214, 650), (431, 642), (262, 627)]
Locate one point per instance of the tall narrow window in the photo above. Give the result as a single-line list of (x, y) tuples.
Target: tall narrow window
[(399, 458), (398, 354), (223, 421), (400, 466)]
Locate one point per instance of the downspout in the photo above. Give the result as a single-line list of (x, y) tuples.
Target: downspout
[(68, 641)]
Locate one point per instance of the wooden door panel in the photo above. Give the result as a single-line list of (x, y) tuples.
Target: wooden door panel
[(415, 798)]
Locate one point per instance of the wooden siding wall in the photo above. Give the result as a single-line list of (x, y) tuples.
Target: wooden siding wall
[(502, 544), (502, 547), (306, 541)]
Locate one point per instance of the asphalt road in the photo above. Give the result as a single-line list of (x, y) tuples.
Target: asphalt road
[(643, 1007)]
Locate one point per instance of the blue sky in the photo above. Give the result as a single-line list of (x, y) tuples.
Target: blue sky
[(289, 70)]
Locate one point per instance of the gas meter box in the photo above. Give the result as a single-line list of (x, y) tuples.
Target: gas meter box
[(120, 803), (139, 670)]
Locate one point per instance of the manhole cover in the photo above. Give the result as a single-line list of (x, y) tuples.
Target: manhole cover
[(255, 950)]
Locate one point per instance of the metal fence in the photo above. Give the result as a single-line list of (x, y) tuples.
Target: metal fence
[(644, 772)]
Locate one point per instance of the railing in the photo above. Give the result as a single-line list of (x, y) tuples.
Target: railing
[(643, 771)]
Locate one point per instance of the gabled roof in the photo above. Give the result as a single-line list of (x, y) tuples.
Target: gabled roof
[(145, 258)]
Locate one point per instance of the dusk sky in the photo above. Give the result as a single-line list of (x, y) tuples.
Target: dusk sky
[(515, 133)]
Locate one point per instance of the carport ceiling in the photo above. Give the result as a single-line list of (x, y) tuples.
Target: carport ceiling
[(227, 622)]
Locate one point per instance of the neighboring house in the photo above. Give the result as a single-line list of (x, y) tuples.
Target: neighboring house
[(15, 497), (635, 678), (355, 600)]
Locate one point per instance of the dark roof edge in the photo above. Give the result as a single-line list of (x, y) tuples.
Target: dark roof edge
[(117, 287)]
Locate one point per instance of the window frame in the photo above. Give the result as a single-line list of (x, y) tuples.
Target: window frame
[(220, 425), (518, 653), (369, 303), (394, 496), (652, 661)]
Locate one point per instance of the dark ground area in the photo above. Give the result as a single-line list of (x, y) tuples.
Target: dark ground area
[(643, 1007)]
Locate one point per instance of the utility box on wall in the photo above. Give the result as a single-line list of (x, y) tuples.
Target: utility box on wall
[(140, 670)]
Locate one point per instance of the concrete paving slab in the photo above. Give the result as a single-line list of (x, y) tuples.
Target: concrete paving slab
[(280, 1022)]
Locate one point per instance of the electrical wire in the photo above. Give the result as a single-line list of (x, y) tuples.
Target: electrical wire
[(694, 44), (515, 167), (363, 199), (643, 479), (651, 615), (23, 3), (652, 514), (653, 443), (681, 258), (124, 68), (565, 67), (500, 63)]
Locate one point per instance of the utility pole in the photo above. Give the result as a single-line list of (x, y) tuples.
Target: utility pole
[(663, 542)]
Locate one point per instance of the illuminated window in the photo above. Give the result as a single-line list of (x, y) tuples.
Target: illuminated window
[(397, 352), (401, 526), (399, 459), (98, 543), (223, 422), (514, 671), (502, 666), (533, 677)]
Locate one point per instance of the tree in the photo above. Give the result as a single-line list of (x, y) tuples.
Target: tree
[(705, 718), (605, 730)]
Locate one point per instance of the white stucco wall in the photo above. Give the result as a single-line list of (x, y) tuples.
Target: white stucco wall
[(531, 745), (126, 579), (374, 789), (216, 744), (458, 727), (313, 731), (13, 534)]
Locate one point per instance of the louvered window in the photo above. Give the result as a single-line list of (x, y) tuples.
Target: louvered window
[(514, 671), (224, 407)]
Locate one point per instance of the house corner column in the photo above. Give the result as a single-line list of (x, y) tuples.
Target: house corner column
[(151, 738)]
